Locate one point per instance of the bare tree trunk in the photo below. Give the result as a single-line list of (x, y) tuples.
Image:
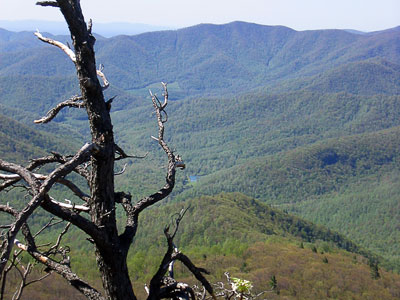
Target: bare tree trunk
[(116, 282), (110, 256)]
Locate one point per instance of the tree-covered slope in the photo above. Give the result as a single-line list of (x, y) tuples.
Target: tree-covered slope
[(221, 231), (213, 134), (349, 184), (367, 212), (228, 220), (19, 143), (367, 77), (324, 167), (251, 240), (206, 58), (236, 56)]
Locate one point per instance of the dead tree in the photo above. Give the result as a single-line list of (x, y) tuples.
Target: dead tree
[(94, 162)]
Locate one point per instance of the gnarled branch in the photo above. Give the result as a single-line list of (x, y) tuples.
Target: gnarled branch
[(39, 191), (133, 212), (51, 114), (170, 178), (197, 272)]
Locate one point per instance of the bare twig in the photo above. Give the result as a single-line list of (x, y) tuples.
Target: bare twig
[(123, 155), (24, 275), (60, 236), (47, 3), (47, 225), (13, 264), (75, 101), (76, 190), (38, 279), (100, 73), (58, 44), (122, 171), (70, 205), (62, 269), (176, 220)]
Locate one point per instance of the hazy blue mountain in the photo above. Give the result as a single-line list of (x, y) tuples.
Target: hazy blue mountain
[(356, 31), (60, 28)]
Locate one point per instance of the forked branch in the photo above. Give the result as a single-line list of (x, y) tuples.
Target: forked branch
[(174, 162), (75, 101), (172, 159), (39, 190), (162, 286)]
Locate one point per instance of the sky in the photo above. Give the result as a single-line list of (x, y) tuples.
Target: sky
[(363, 15)]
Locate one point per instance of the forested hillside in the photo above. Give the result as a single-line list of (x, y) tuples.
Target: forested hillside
[(251, 240), (349, 184), (21, 143), (223, 231), (307, 122), (206, 58)]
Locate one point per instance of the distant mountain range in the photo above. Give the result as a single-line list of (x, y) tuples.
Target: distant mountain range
[(207, 59), (60, 28)]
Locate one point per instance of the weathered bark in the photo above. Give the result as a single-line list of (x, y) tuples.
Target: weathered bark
[(110, 257)]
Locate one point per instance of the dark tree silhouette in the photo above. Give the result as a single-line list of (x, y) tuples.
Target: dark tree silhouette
[(94, 162)]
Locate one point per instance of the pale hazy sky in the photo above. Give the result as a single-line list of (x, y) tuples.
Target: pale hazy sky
[(364, 15)]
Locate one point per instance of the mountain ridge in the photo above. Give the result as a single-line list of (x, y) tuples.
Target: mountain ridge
[(235, 56), (60, 28)]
